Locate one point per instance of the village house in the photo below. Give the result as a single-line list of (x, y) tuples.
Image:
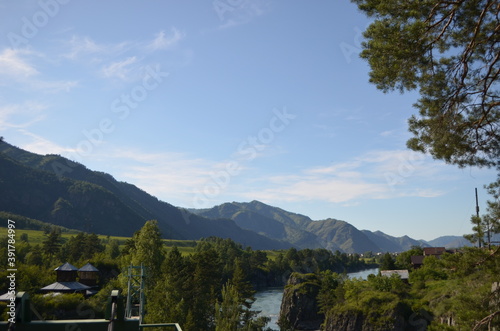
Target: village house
[(66, 280)]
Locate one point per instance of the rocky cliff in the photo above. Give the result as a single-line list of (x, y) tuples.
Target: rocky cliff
[(355, 320), (371, 311), (299, 307)]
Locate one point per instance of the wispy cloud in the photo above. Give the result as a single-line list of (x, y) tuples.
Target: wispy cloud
[(82, 47), (120, 60), (162, 41), (178, 177), (120, 69), (16, 67), (12, 64), (21, 116), (40, 145), (375, 175), (173, 176), (241, 13), (79, 47)]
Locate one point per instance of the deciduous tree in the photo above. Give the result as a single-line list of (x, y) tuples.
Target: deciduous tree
[(149, 251)]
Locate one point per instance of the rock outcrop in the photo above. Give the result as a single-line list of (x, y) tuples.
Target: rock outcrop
[(359, 321), (299, 307)]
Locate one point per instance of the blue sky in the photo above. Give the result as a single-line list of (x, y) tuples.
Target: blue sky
[(205, 102)]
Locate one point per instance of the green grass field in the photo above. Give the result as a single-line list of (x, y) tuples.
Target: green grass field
[(186, 247), (36, 237)]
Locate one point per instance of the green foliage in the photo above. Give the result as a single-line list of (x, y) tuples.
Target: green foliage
[(331, 290), (182, 288), (67, 306), (387, 262), (113, 248), (81, 247), (447, 50), (52, 243), (149, 251), (231, 314), (486, 226), (228, 312), (453, 292), (403, 260)]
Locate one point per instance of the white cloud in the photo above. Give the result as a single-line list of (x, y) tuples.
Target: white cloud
[(380, 174), (41, 145), (54, 86), (179, 178), (123, 60), (241, 13), (387, 133), (175, 177), (120, 69), (374, 175), (16, 67), (162, 41), (13, 65), (85, 46), (82, 47), (20, 116)]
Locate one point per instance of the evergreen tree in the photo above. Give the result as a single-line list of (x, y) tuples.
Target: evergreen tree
[(113, 249), (449, 51), (228, 312), (487, 225), (52, 243), (168, 300), (387, 262), (231, 314), (206, 283), (149, 250), (479, 231), (34, 257), (242, 286)]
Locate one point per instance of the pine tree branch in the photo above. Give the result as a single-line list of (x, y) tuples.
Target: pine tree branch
[(486, 320)]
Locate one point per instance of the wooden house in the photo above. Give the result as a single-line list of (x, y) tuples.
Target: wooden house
[(66, 281), (88, 275)]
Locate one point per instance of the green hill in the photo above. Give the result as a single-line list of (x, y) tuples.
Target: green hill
[(55, 190), (58, 191), (303, 232)]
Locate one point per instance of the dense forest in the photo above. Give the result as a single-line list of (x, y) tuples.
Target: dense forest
[(198, 289), (458, 291)]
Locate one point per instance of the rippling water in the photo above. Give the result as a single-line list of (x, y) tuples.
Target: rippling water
[(269, 301)]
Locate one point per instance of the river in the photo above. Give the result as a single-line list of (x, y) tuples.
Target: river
[(268, 301)]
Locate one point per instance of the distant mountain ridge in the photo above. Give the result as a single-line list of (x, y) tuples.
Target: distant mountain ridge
[(55, 190), (303, 232), (34, 186)]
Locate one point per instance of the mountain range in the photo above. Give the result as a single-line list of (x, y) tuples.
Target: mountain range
[(55, 190)]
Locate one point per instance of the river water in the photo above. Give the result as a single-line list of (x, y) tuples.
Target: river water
[(268, 301)]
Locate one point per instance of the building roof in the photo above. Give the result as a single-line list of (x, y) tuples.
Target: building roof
[(434, 250), (65, 286), (88, 267), (66, 267), (404, 274), (7, 296), (417, 259)]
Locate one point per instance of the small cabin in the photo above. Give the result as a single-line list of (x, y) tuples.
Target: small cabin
[(417, 261), (66, 280), (88, 275), (403, 274), (435, 251), (66, 273)]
